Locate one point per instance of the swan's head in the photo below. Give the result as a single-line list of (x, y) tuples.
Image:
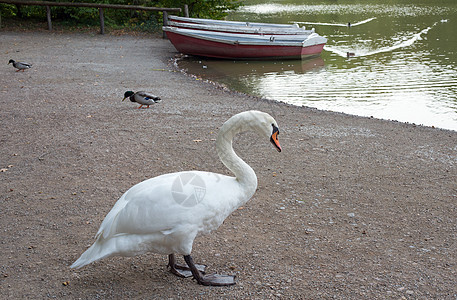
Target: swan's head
[(264, 124), (270, 129)]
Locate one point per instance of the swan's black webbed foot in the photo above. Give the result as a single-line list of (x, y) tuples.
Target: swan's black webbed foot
[(212, 279), (181, 270)]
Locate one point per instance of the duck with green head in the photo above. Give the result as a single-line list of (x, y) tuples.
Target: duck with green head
[(20, 65), (143, 98)]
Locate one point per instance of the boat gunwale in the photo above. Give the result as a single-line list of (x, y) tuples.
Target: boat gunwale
[(237, 23), (242, 29), (243, 39)]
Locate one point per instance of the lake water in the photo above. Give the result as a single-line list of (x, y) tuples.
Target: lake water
[(404, 68)]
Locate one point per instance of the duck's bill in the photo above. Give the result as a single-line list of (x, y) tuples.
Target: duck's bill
[(124, 98)]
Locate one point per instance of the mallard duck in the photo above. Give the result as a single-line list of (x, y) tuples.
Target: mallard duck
[(166, 213), (350, 54), (20, 65), (142, 98)]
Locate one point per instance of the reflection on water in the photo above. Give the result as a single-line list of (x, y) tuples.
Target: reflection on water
[(247, 76), (227, 69), (403, 62)]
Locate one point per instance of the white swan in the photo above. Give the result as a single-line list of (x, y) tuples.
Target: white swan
[(164, 214)]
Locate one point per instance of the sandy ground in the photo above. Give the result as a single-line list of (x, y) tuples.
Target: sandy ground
[(353, 207)]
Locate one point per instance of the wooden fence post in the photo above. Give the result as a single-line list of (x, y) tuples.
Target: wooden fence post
[(186, 10), (19, 11), (165, 23), (102, 21), (48, 16)]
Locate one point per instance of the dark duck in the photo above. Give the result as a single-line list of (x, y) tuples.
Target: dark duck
[(20, 65)]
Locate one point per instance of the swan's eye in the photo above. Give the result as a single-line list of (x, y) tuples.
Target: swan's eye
[(275, 129)]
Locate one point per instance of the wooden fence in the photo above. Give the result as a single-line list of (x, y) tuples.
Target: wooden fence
[(100, 7)]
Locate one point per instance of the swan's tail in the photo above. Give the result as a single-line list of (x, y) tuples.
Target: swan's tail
[(123, 245), (95, 252)]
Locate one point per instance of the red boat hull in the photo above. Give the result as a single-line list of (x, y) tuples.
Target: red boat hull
[(200, 47)]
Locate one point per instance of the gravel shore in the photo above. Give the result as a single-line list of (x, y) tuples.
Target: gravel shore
[(353, 207)]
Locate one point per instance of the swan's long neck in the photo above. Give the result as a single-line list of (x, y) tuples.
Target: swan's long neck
[(244, 174)]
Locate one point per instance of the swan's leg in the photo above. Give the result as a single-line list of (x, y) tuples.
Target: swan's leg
[(182, 270), (213, 279)]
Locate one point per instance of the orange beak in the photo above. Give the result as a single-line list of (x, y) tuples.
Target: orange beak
[(274, 138)]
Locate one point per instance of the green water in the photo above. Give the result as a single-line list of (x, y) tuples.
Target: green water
[(404, 65)]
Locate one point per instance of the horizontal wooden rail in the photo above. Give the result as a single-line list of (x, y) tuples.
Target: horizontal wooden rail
[(95, 5), (100, 7)]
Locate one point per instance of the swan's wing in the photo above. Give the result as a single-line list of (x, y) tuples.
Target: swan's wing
[(177, 203), (147, 207), (107, 222)]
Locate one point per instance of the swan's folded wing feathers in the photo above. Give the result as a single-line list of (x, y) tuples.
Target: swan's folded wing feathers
[(147, 215), (107, 225), (148, 208), (107, 222), (144, 208)]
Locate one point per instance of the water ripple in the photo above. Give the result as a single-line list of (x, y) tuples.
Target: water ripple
[(393, 10), (336, 24), (344, 51), (402, 66)]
